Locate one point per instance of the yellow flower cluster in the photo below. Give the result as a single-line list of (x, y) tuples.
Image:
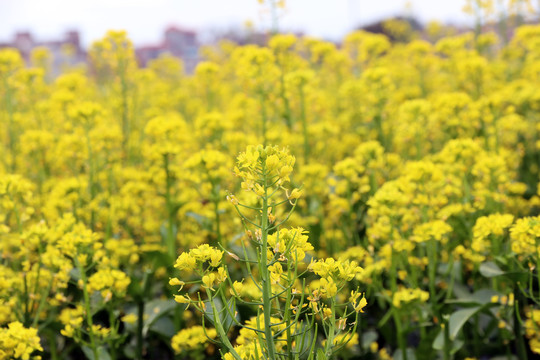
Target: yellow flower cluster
[(270, 161), (334, 274), (196, 258), (247, 339), (190, 339), (18, 342), (532, 325), (289, 241), (486, 226), (205, 260), (109, 282), (405, 296), (525, 235)]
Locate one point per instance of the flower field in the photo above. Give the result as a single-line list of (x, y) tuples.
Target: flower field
[(298, 200)]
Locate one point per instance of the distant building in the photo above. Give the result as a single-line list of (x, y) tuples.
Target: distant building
[(242, 37), (66, 51), (177, 42), (382, 27)]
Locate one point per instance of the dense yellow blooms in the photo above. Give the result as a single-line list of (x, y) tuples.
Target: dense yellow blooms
[(524, 235), (405, 296), (292, 241), (396, 170), (18, 342), (109, 282), (191, 339)]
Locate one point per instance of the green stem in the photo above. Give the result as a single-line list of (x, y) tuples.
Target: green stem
[(432, 268), (399, 330), (11, 129), (41, 304), (140, 325), (331, 330), (304, 124), (26, 301), (476, 336), (218, 220), (265, 274), (88, 310), (125, 118), (264, 116), (286, 104), (395, 311), (446, 346), (170, 240), (112, 342), (91, 170), (520, 343), (51, 336), (219, 328), (140, 314), (287, 316)]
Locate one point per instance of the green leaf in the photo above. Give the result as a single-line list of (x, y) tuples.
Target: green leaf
[(96, 302), (103, 354), (226, 319), (480, 297), (385, 318), (459, 318), (155, 309), (164, 230), (489, 269), (321, 355), (75, 274), (438, 343), (204, 221), (304, 338), (163, 326), (369, 337), (460, 290), (398, 354), (129, 350)]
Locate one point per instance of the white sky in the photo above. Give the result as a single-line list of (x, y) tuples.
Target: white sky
[(145, 20)]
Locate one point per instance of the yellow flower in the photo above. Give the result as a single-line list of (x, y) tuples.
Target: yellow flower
[(208, 280), (238, 287), (185, 262), (215, 258), (296, 194), (130, 318), (175, 282), (182, 299), (329, 287)]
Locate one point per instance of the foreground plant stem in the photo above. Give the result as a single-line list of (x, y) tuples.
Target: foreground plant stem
[(265, 274), (396, 313), (304, 124), (521, 349), (87, 308), (331, 331), (170, 240), (219, 327), (264, 117), (140, 315)]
